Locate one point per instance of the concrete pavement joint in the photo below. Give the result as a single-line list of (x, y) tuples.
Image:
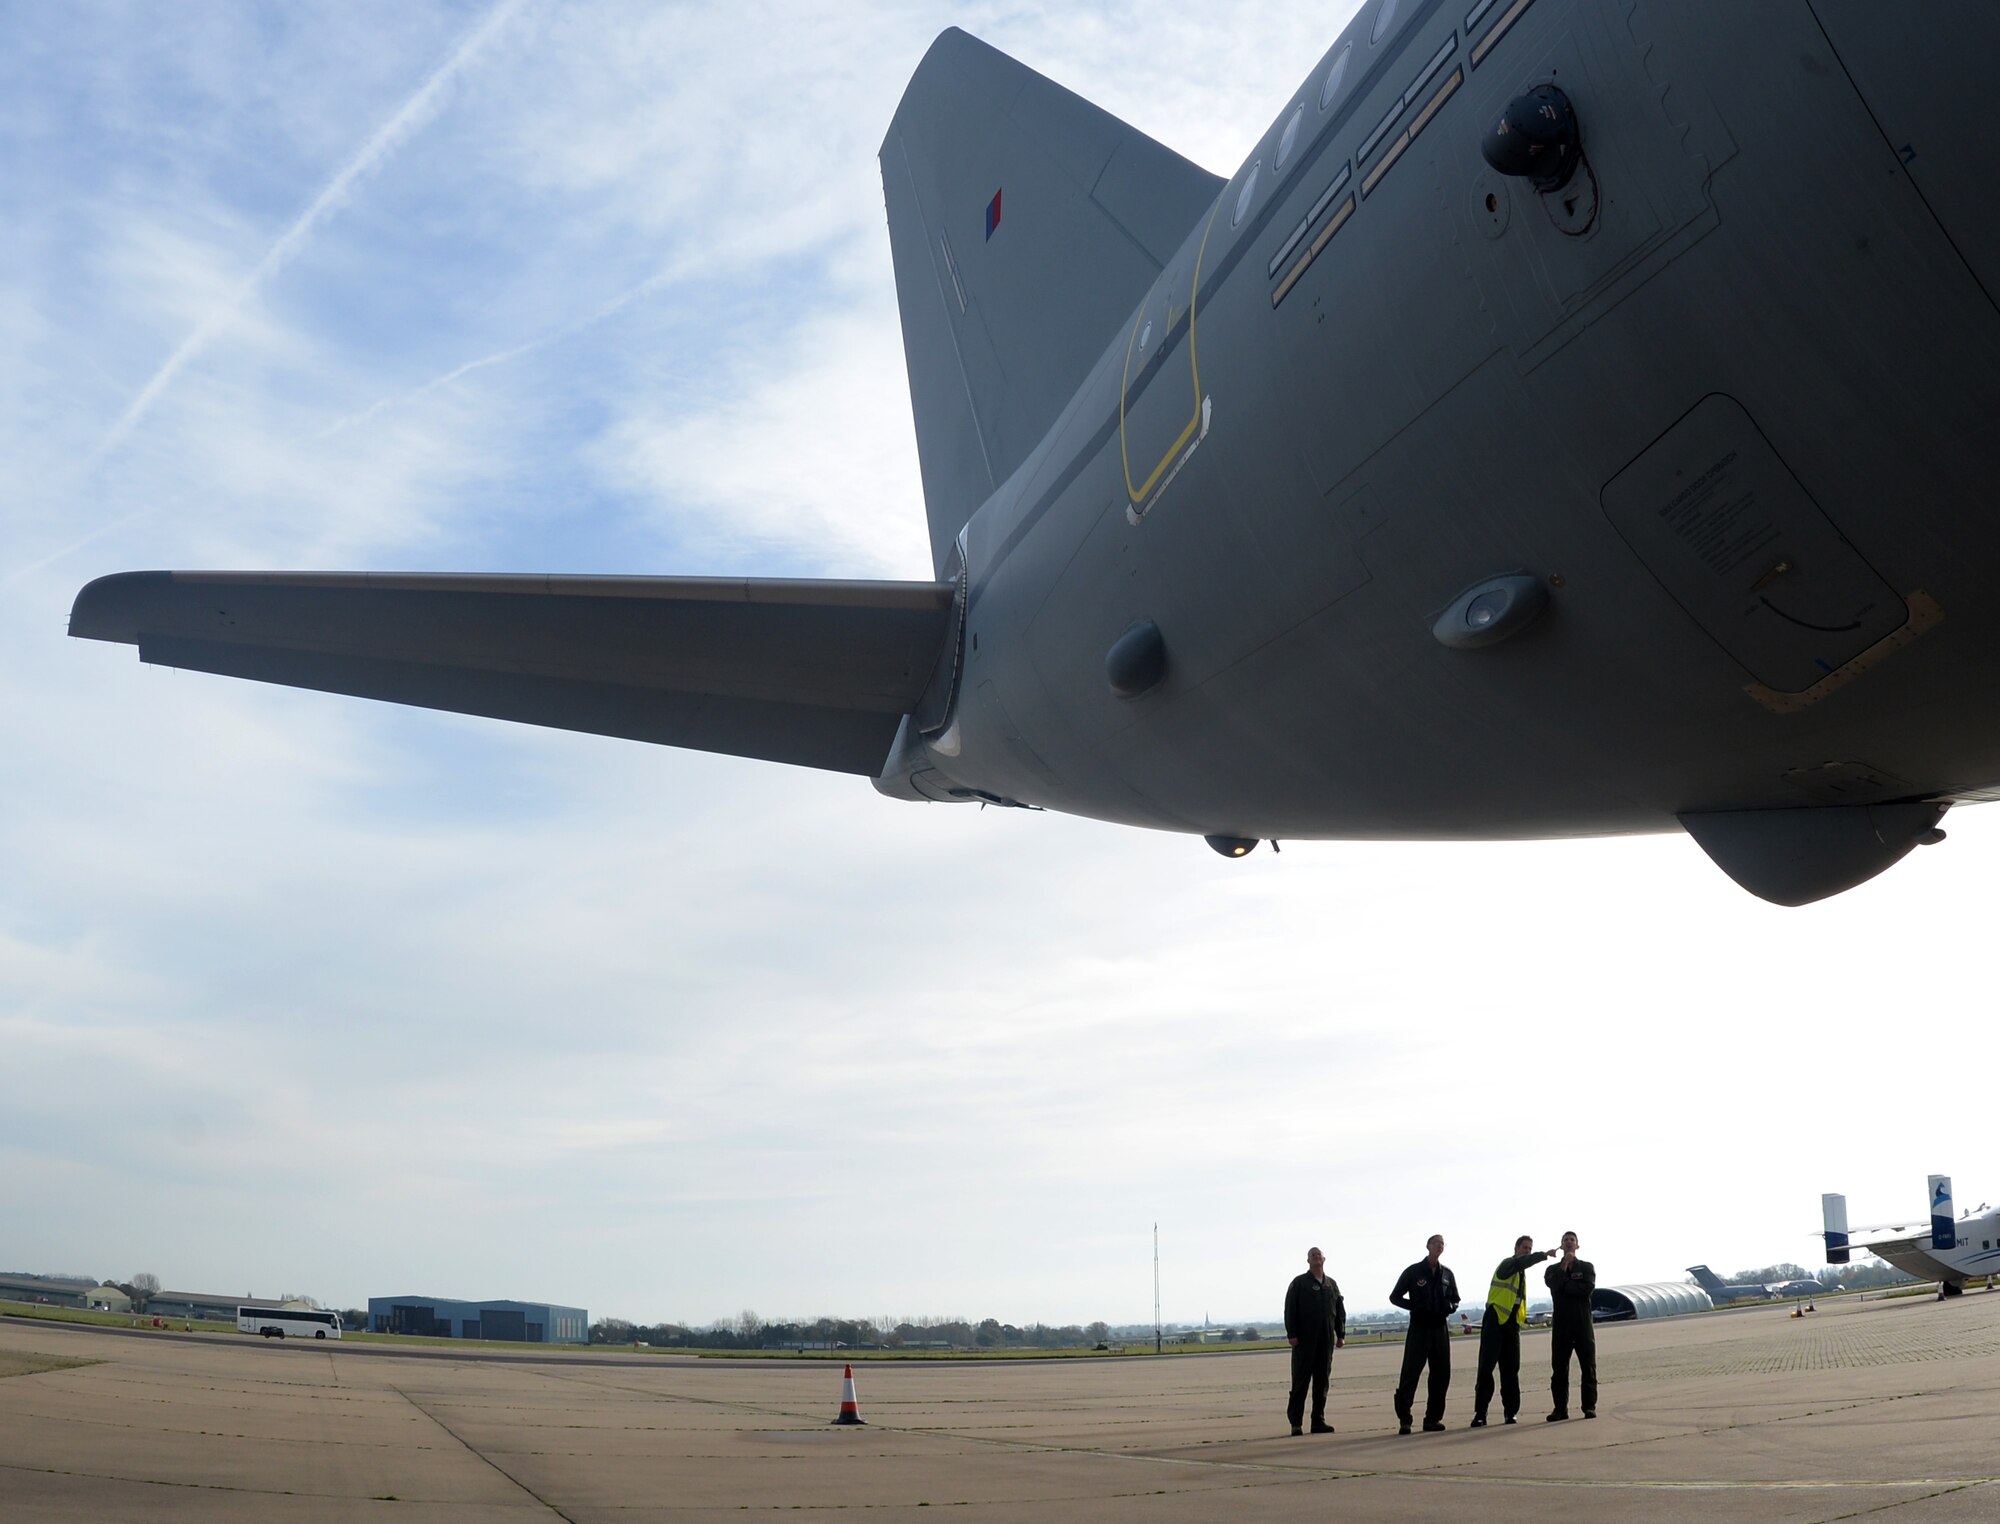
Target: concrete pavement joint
[(481, 1455)]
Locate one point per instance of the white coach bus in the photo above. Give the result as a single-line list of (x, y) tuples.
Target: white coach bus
[(277, 1322)]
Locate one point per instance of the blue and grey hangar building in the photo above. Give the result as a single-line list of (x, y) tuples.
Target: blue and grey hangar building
[(440, 1318)]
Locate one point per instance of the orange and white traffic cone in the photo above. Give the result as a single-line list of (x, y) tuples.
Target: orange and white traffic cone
[(849, 1412)]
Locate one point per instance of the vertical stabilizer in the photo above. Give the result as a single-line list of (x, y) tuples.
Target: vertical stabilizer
[(1026, 224), (1943, 1234), (1706, 1278), (1833, 1214)]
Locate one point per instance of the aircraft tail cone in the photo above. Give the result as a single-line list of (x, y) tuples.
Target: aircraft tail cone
[(849, 1411)]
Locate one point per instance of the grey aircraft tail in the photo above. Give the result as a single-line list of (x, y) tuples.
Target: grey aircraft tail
[(1721, 1291), (1025, 224)]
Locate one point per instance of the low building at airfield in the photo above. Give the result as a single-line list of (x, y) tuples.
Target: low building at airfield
[(48, 1290), (443, 1318), (207, 1306), (1647, 1299)]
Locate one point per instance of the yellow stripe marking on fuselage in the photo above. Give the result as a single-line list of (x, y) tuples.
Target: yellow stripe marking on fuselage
[(1138, 493)]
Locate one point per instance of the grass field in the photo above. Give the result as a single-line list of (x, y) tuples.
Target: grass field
[(640, 1352), (1117, 1351), (28, 1362), (834, 1356), (77, 1315)]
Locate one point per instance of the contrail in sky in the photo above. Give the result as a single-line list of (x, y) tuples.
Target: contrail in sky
[(657, 281), (413, 113)]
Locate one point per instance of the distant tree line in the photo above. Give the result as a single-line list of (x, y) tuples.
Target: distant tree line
[(1862, 1275), (749, 1331), (1227, 1334), (56, 1275)]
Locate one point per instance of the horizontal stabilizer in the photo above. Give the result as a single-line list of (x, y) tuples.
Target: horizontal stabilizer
[(815, 673)]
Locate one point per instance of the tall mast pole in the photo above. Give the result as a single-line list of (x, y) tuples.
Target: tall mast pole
[(1158, 1341)]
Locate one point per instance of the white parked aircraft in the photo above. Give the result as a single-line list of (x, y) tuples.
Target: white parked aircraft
[(1941, 1248)]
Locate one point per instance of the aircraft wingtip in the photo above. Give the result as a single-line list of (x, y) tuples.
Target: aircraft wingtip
[(109, 607)]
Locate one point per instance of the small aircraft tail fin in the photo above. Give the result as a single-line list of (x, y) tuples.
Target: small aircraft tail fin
[(1944, 1235), (1833, 1213), (1025, 224), (1706, 1278)]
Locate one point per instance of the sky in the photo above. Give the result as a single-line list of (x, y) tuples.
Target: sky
[(299, 993)]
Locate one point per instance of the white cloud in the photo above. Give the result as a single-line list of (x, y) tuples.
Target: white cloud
[(802, 444)]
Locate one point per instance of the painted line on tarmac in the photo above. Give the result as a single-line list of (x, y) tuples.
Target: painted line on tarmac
[(1939, 1483), (120, 1479), (1309, 1472)]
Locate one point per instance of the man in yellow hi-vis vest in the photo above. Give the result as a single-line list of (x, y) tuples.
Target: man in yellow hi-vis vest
[(1500, 1332)]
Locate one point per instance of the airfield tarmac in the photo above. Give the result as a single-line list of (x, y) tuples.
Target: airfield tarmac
[(1865, 1408)]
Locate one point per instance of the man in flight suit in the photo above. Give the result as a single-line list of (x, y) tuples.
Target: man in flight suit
[(1428, 1292), (1315, 1322), (1572, 1280), (1500, 1331)]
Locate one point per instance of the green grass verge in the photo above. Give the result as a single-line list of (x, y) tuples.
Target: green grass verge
[(41, 1313), (28, 1362), (857, 1356), (177, 1325)]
